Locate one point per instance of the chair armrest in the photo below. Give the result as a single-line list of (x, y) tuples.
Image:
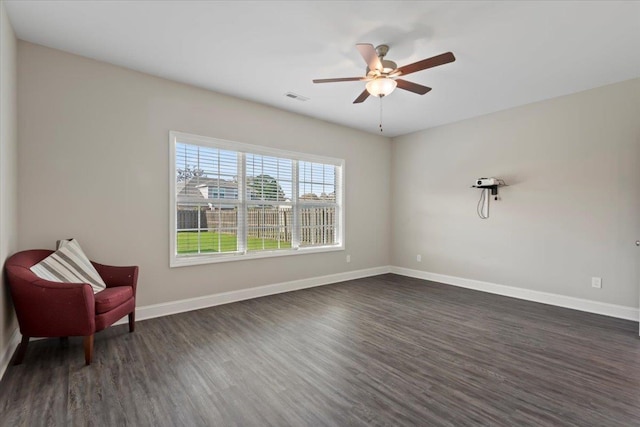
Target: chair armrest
[(52, 309), (118, 276)]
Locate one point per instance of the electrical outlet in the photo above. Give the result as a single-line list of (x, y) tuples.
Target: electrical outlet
[(348, 258), (596, 282), (419, 258)]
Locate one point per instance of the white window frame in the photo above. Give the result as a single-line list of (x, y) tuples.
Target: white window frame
[(176, 260)]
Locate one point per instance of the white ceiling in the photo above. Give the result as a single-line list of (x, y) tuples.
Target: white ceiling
[(508, 53)]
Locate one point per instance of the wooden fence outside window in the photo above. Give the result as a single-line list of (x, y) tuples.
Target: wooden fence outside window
[(317, 224)]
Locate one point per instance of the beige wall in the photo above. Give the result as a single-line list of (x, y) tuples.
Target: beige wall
[(94, 164), (572, 210), (8, 171)]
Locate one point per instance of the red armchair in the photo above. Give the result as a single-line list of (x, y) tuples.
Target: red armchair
[(53, 309)]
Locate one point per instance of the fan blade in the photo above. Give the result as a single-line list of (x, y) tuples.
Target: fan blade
[(342, 79), (412, 87), (442, 59), (370, 56), (364, 95)]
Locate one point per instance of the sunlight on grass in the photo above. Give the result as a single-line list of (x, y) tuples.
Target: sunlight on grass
[(211, 242)]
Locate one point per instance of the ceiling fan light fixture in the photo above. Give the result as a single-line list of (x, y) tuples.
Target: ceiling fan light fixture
[(381, 86)]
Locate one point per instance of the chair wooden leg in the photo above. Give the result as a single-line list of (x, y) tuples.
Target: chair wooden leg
[(88, 349), (22, 350), (132, 321)]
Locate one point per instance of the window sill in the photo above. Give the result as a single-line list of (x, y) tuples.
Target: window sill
[(187, 260)]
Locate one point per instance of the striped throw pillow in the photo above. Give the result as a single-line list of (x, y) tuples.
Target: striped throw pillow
[(69, 265)]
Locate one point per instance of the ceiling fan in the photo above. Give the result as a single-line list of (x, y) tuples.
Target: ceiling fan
[(382, 75)]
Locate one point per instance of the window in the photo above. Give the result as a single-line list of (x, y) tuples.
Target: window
[(232, 201)]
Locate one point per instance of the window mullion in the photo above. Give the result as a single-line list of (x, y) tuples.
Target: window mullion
[(338, 227), (242, 207), (295, 226)]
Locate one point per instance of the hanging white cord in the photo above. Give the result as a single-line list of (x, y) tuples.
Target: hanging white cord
[(483, 204)]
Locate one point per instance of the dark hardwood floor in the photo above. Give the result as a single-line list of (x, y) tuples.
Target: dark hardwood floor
[(387, 350)]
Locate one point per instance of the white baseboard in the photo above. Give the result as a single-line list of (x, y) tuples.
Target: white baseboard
[(14, 340), (612, 310), (180, 306)]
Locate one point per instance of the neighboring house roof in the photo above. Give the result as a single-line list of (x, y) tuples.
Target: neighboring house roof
[(195, 189), (321, 197)]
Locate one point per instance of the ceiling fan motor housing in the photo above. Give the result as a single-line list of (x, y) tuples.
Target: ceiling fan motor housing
[(387, 66)]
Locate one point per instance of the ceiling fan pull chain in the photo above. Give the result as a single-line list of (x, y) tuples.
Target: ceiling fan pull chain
[(381, 114)]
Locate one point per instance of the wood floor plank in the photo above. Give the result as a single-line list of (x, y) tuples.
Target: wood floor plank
[(385, 350)]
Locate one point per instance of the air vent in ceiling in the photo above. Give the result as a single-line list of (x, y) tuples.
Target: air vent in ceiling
[(296, 96)]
